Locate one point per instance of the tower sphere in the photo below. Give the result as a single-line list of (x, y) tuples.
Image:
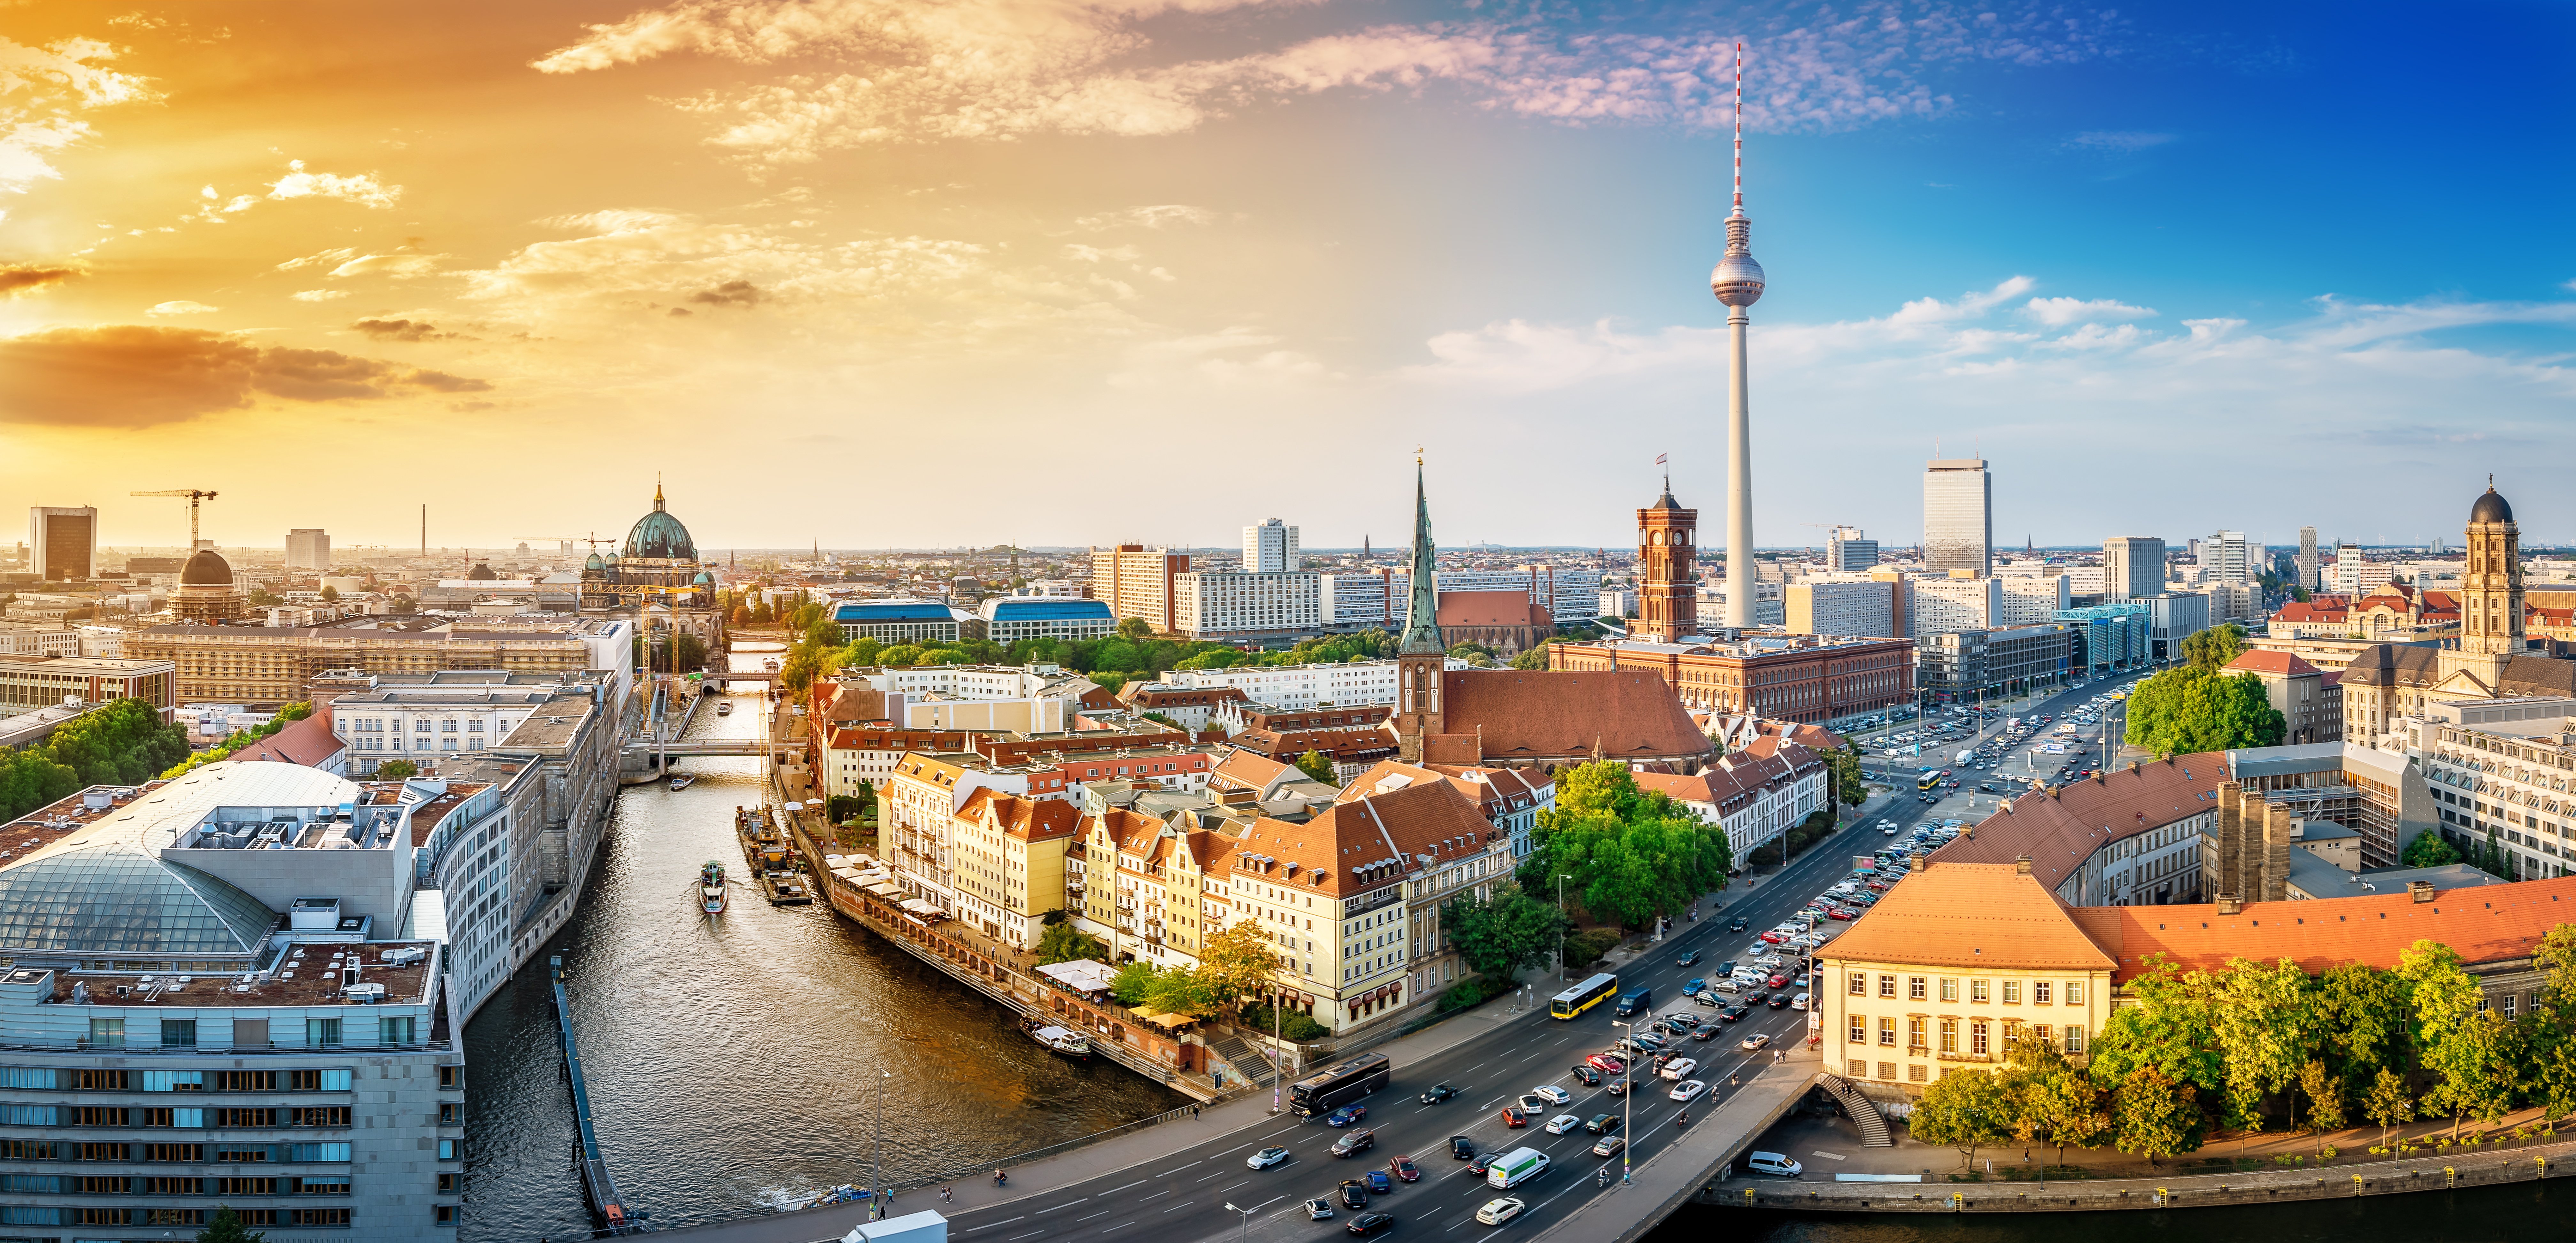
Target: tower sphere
[(1737, 280)]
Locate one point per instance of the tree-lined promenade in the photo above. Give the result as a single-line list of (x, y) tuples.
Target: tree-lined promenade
[(2254, 1047)]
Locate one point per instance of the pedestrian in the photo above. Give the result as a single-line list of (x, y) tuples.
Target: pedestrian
[(946, 1194), (1194, 1113)]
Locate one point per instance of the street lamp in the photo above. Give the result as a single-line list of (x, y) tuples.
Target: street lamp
[(876, 1181), (1247, 1219), (1628, 1099)]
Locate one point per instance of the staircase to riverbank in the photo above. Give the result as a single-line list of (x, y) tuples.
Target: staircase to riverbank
[(1864, 1112), (1246, 1060)]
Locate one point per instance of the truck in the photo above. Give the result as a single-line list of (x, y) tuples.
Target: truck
[(1515, 1167), (1965, 757)]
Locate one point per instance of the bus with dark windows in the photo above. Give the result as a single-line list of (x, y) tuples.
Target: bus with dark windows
[(1335, 1086), (1582, 997)]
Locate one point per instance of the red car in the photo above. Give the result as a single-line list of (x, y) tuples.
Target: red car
[(1777, 981), (1513, 1117), (1403, 1167), (1845, 912), (1878, 886), (1772, 938), (1606, 1063)]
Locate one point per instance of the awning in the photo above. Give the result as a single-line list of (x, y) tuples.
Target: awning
[(918, 907), (885, 891), (848, 874), (1085, 975)]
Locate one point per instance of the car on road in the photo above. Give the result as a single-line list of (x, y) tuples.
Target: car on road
[(1378, 1182), (1688, 1090), (1734, 1012), (1439, 1092), (1404, 1168), (1266, 1158), (1610, 1146), (1705, 1031), (1318, 1209), (1461, 1148), (1354, 1193), (1754, 1043), (1353, 1142), (1602, 1124), (1515, 1116), (1552, 1094), (1689, 958), (1776, 1164), (1591, 1078), (1346, 1115), (1680, 1068), (1607, 1063), (1779, 979), (1616, 1087), (1694, 984), (1371, 1223), (1563, 1123), (1501, 1209), (1484, 1161), (1736, 924)]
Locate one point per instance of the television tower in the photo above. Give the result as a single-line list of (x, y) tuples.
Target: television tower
[(1737, 282)]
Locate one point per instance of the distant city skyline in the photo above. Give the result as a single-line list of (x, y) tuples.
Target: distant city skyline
[(2096, 246)]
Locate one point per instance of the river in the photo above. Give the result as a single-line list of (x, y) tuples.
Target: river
[(733, 1062)]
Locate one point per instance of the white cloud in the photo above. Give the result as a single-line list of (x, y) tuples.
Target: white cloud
[(1157, 216), (40, 90), (339, 256), (182, 308), (362, 189), (400, 265), (2059, 312), (918, 70), (2122, 141), (318, 295)]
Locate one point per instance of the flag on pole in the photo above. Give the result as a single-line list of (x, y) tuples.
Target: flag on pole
[(1659, 459)]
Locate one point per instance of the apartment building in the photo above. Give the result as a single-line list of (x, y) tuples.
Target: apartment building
[(1247, 605), (265, 666), (1781, 677), (1948, 605), (1153, 886), (1841, 606), (1137, 581), (48, 681), (2029, 599), (1007, 862), (1271, 548), (1302, 687)]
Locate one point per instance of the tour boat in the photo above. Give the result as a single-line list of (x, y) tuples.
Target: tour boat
[(1057, 1038), (680, 781), (785, 889), (724, 708), (711, 888)]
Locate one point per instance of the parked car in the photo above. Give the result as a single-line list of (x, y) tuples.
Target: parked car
[(1346, 1115), (1776, 1164), (1591, 1078), (1318, 1209), (1513, 1117), (1553, 1094), (1379, 1183), (1461, 1148)]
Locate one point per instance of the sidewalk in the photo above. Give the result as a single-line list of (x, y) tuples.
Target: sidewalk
[(1247, 1117), (1677, 1171)]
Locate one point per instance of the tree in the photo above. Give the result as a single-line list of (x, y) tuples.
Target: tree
[(1534, 658), (2214, 648), (1238, 959), (2068, 1107), (1504, 935), (2188, 710), (2171, 1030), (2449, 1035), (30, 779), (2154, 1116), (2553, 1024), (1183, 992), (226, 1227), (2387, 1103), (1966, 1110), (330, 594), (2264, 1020), (2361, 1022), (1135, 629), (1133, 981), (395, 770), (1843, 776), (402, 605), (2325, 1097), (1628, 855), (1066, 943), (1315, 765), (2428, 850), (124, 743)]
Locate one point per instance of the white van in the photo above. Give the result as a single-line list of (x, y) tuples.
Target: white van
[(1518, 1166), (1776, 1164)]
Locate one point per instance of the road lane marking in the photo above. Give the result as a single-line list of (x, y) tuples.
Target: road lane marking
[(1182, 1204), (1231, 1186), (1102, 1213), (1066, 1205), (1178, 1168), (1218, 1174), (1164, 1192), (1120, 1226), (989, 1225), (1030, 1235), (1138, 1183)]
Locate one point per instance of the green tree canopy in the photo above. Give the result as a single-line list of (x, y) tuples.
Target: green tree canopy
[(1505, 934), (1065, 943), (2428, 850), (1966, 1110), (1628, 855), (226, 1227), (2153, 1116), (2183, 711), (2214, 648), (1317, 765)]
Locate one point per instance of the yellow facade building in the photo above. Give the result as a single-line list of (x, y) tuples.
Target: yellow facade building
[(1007, 862)]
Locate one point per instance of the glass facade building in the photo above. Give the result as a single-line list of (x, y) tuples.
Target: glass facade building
[(1958, 516)]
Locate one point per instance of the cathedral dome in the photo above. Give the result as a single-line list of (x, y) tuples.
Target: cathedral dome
[(659, 535), (594, 563), (206, 569), (481, 573), (2491, 508)]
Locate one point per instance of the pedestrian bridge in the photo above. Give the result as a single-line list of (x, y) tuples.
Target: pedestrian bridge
[(679, 747)]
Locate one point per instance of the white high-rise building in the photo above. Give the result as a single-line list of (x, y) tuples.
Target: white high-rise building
[(1958, 516), (2133, 567), (1950, 605), (1848, 550), (1270, 548), (2308, 558), (2227, 557), (309, 548), (2029, 599)]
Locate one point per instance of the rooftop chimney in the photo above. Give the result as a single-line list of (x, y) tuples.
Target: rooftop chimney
[(2230, 904), (2021, 865), (2420, 890)]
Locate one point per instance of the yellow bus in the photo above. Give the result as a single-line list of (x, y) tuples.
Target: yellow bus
[(1583, 996)]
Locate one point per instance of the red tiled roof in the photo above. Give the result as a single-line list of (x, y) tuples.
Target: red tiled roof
[(2279, 664), (1491, 608), (308, 742), (1030, 820), (2495, 923), (1972, 915), (1525, 715), (2061, 829)]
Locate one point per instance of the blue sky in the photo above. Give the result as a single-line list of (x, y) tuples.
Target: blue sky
[(1075, 271)]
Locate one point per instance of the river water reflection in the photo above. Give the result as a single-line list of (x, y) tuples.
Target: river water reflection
[(733, 1062)]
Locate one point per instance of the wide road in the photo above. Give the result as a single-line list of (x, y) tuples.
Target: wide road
[(1184, 1196)]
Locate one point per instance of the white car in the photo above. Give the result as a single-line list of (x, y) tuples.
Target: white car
[(1680, 1067), (1776, 1164), (1501, 1209), (1798, 1002), (1552, 1094), (1563, 1123), (1688, 1090), (1266, 1158)]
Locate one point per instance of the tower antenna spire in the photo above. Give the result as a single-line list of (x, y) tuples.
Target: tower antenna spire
[(1739, 127)]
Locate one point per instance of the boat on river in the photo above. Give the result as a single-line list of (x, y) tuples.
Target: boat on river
[(724, 707), (711, 888), (1057, 1038), (785, 889), (680, 781)]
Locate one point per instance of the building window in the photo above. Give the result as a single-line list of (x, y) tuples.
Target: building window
[(1949, 988), (2012, 992), (1977, 991), (1917, 1072), (180, 1033), (322, 1032), (1856, 1068), (1887, 1032), (1949, 1036), (2039, 990), (107, 1033), (1915, 987), (1859, 1029), (2075, 992), (1859, 984), (1978, 1038), (1914, 1035), (2074, 1039), (1887, 986)]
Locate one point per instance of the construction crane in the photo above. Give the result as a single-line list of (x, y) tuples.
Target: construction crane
[(568, 540), (194, 496)]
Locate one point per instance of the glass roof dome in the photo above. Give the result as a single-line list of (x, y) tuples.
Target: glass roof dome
[(111, 901), (659, 535)]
